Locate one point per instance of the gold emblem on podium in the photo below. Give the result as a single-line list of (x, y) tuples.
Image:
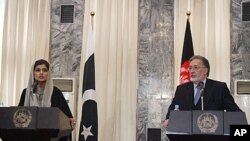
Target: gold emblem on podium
[(22, 118), (207, 123)]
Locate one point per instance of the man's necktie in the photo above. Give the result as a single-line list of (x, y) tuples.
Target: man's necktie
[(198, 94)]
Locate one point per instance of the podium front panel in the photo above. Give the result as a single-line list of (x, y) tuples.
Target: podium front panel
[(33, 123), (180, 121), (48, 118), (18, 118), (208, 122), (233, 118)]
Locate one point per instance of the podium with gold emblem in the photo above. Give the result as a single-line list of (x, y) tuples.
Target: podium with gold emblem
[(33, 124), (203, 125)]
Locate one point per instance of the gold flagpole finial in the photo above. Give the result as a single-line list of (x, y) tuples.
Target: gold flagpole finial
[(188, 14), (92, 13)]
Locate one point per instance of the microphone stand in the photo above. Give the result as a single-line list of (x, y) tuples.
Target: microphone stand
[(30, 95), (201, 85), (202, 104), (33, 87)]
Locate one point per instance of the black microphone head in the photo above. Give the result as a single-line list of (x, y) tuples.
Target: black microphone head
[(33, 87), (201, 84)]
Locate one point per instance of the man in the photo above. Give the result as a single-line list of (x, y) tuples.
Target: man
[(216, 95)]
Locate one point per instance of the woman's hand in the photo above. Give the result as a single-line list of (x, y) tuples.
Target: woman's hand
[(72, 123)]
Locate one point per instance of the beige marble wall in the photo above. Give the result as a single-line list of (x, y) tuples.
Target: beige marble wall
[(66, 40), (156, 64), (240, 52)]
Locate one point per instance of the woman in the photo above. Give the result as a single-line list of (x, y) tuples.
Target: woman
[(41, 92)]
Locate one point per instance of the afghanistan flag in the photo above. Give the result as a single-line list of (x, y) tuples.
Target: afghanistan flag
[(89, 121), (187, 53)]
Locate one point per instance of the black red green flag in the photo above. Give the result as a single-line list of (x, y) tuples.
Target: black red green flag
[(187, 53)]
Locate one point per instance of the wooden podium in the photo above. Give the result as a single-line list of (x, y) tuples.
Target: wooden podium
[(203, 125), (33, 124)]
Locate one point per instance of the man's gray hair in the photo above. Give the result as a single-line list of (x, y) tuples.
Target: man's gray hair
[(204, 61)]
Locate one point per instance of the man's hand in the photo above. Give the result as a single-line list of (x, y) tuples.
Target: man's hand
[(165, 123)]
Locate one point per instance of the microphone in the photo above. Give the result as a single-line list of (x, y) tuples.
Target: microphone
[(201, 85), (33, 86)]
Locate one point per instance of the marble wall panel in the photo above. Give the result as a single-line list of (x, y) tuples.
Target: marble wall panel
[(155, 61), (240, 52), (240, 35), (66, 40)]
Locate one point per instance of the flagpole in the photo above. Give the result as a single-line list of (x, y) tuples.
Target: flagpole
[(92, 13), (188, 14)]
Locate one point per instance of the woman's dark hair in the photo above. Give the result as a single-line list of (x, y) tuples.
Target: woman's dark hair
[(41, 62)]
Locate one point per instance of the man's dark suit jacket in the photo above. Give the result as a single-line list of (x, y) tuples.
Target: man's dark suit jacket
[(216, 96)]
